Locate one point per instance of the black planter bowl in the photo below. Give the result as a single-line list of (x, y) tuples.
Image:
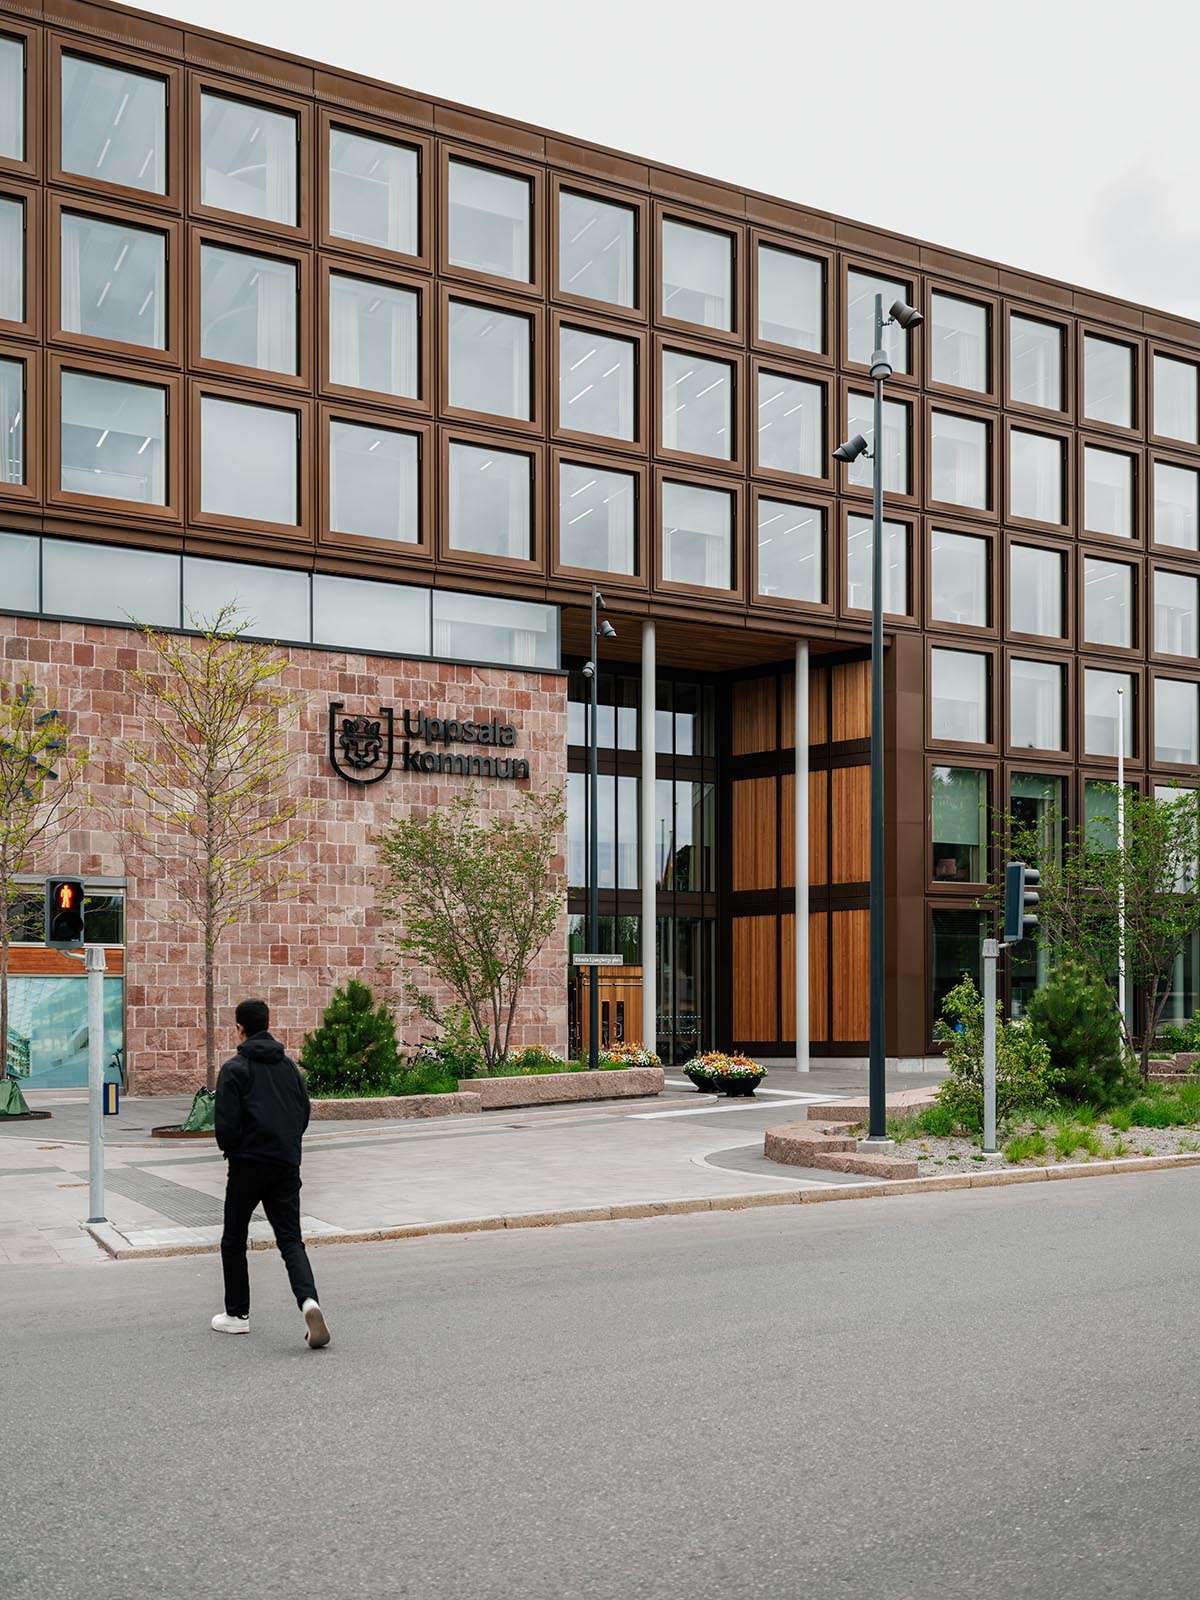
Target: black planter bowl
[(736, 1086), (703, 1080)]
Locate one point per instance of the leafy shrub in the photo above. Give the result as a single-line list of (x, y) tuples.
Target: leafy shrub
[(1025, 1077), (456, 1051), (533, 1061), (426, 1077), (1074, 1016), (1180, 1036), (353, 1052), (936, 1121)]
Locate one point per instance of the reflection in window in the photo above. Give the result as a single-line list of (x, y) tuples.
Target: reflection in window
[(961, 451), (1108, 603), (248, 159), (597, 249), (861, 289), (597, 519), (960, 696), (859, 545), (12, 421), (1035, 704), (491, 509), (19, 589), (1108, 479), (791, 551), (12, 260), (697, 275), (596, 383), (374, 188), (1176, 721), (1107, 381), (1035, 591), (959, 807), (616, 831), (273, 603), (1102, 711), (960, 579), (683, 834), (1176, 506), (860, 418), (697, 405), (791, 299), (475, 627), (1035, 363), (114, 124), (374, 482), (48, 1031), (373, 336), (114, 281), (697, 535), (490, 360), (248, 311), (1035, 802), (12, 99), (1176, 415), (1100, 806), (249, 460), (489, 221), (1035, 482), (957, 950), (959, 343), (791, 425), (1175, 611), (114, 438), (110, 581), (376, 616)]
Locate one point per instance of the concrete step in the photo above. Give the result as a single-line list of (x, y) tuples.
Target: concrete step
[(796, 1144)]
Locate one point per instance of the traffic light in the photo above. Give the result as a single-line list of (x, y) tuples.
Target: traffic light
[(1020, 900), (64, 913)]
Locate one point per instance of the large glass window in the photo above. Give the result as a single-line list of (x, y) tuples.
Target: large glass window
[(249, 460), (1036, 801), (248, 313), (697, 275), (1101, 802), (960, 696), (859, 545), (1176, 721), (374, 481), (791, 425), (960, 343), (114, 438), (374, 192), (1035, 716), (114, 281), (697, 405), (861, 289), (1035, 476), (961, 460), (596, 383), (697, 535), (1176, 506), (791, 551), (1176, 605), (1107, 381), (1176, 388), (860, 418), (272, 602), (1108, 492), (475, 627), (597, 518), (114, 124), (376, 616), (12, 421), (374, 336), (12, 98), (248, 159), (103, 581), (616, 830), (1035, 591), (1035, 363), (959, 798), (12, 259), (957, 951), (960, 583), (1108, 603), (19, 589), (48, 1029), (1102, 711), (491, 501), (490, 227), (597, 249), (791, 299), (491, 359)]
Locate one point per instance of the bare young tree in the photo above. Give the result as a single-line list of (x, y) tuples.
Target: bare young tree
[(214, 805)]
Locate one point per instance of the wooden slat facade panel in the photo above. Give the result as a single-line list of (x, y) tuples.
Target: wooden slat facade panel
[(754, 828), (818, 830), (753, 716), (818, 984), (755, 978), (851, 701), (851, 801), (851, 1008), (818, 707)]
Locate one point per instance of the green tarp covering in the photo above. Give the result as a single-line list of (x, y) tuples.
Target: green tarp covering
[(12, 1101), (200, 1118)]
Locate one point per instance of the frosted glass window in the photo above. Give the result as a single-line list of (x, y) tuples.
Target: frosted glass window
[(791, 299), (12, 260), (490, 355), (19, 572), (960, 696), (1175, 612), (860, 418), (1107, 381), (597, 249), (114, 438), (958, 806), (114, 124), (109, 583), (959, 343), (374, 192), (861, 289), (248, 159), (1108, 603), (12, 421), (596, 383), (1100, 712), (374, 482), (12, 98), (1035, 476), (697, 535), (1108, 493), (491, 495), (697, 405), (360, 615), (473, 627), (489, 221), (791, 425), (961, 452), (1175, 399), (697, 275), (1035, 591), (791, 551), (271, 602), (249, 461), (1035, 363), (248, 312), (1176, 506), (1035, 705), (1176, 721), (114, 281), (859, 543), (960, 581), (597, 519), (374, 336)]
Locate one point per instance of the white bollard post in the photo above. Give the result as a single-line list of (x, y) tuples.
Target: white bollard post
[(991, 949), (94, 963)]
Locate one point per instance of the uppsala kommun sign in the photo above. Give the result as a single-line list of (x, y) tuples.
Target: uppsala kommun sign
[(363, 749)]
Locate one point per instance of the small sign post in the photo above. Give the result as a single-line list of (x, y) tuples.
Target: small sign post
[(598, 961)]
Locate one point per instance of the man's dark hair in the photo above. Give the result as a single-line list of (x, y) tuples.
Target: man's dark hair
[(253, 1015)]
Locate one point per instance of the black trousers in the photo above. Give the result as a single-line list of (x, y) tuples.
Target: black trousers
[(278, 1187)]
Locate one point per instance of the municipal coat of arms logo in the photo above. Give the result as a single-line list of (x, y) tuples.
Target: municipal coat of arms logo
[(361, 748)]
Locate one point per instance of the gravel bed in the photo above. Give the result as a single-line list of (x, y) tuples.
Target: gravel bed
[(947, 1155)]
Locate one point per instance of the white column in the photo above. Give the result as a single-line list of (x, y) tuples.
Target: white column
[(800, 942), (647, 722)]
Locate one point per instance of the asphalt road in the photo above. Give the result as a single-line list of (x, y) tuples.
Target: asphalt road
[(983, 1393)]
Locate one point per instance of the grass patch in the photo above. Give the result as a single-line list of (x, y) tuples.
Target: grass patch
[(1026, 1147)]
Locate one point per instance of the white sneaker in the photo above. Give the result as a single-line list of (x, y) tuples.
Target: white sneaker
[(224, 1323), (318, 1328)]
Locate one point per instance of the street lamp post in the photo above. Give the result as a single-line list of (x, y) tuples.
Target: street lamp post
[(600, 630), (906, 317)]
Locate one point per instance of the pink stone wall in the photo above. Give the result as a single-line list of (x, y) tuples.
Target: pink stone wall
[(303, 948)]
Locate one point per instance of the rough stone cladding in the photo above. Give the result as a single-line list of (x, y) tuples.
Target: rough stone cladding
[(294, 952)]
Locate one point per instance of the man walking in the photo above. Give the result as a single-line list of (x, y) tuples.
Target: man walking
[(261, 1113)]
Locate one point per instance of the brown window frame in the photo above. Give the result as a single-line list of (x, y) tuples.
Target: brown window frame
[(31, 39), (507, 305), (475, 560), (764, 365), (585, 577), (952, 508), (990, 538), (734, 359), (1089, 648), (1133, 669), (31, 490), (795, 495), (60, 361), (639, 312), (30, 197), (1066, 326), (736, 489), (911, 499), (639, 445), (91, 49), (301, 260), (690, 217), (169, 227), (791, 245), (301, 531), (1153, 763), (1065, 551), (849, 613), (1137, 348), (391, 552), (251, 93), (422, 404), (1170, 458), (1066, 437), (991, 396), (1064, 659), (387, 133), (1110, 443), (1190, 358), (1152, 568), (977, 647), (871, 267), (512, 167), (969, 891)]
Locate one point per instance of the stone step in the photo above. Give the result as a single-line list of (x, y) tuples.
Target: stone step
[(795, 1144)]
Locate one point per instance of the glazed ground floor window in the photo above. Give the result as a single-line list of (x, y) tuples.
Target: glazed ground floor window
[(959, 808), (957, 952)]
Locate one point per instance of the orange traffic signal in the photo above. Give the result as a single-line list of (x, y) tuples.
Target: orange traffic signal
[(64, 913)]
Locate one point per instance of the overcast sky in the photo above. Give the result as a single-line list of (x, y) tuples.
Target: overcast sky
[(1054, 135)]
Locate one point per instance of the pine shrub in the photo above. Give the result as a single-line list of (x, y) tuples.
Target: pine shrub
[(354, 1051), (1075, 1017)]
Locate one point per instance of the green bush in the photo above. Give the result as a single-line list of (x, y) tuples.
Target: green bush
[(1025, 1077), (456, 1052), (1074, 1016), (1180, 1036), (353, 1052), (533, 1061), (426, 1077)]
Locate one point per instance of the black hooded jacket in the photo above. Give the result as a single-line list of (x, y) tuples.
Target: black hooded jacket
[(262, 1105)]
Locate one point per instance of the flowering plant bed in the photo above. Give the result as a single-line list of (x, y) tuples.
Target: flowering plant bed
[(718, 1073)]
